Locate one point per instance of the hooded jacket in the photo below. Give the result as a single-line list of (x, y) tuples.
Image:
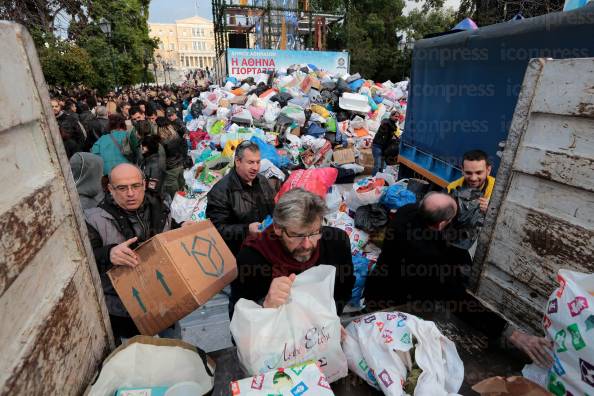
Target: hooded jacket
[(87, 170)]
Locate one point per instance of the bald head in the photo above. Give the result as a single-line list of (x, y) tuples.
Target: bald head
[(438, 209), (124, 170), (126, 185)]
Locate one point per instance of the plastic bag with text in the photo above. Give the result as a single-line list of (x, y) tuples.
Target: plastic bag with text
[(306, 328)]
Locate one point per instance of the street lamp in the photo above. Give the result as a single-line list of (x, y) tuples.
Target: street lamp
[(155, 70), (160, 62), (105, 27)]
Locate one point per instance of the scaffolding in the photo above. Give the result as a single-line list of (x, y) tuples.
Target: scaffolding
[(270, 24)]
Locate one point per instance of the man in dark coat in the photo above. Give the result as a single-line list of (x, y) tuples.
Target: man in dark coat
[(242, 199), (416, 262), (97, 126), (385, 136), (296, 241)]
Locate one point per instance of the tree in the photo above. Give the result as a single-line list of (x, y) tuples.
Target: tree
[(488, 12), (372, 31), (64, 63), (130, 44)]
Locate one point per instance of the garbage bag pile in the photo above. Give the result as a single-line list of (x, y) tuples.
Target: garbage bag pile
[(314, 130)]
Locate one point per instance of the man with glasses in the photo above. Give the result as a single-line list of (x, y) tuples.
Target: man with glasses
[(296, 241), (126, 217), (241, 200)]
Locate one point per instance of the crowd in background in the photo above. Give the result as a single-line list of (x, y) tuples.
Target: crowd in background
[(139, 126)]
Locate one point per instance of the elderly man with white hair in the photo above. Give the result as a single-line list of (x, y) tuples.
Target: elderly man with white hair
[(296, 241)]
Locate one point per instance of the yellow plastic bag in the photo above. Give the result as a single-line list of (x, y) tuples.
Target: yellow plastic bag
[(320, 110), (230, 146)]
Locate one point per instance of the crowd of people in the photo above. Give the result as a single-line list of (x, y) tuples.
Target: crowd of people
[(128, 152)]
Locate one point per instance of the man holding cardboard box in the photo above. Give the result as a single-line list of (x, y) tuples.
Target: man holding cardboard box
[(125, 218)]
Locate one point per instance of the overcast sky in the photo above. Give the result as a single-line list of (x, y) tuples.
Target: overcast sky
[(167, 11)]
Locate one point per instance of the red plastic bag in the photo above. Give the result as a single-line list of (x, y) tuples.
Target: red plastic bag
[(317, 181), (198, 136)]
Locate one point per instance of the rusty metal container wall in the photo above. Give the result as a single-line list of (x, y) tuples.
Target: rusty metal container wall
[(54, 327), (541, 214)]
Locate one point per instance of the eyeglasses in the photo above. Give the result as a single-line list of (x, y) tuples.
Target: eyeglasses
[(122, 188), (300, 238)]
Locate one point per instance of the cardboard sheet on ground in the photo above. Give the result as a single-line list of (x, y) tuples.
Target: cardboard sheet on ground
[(512, 386)]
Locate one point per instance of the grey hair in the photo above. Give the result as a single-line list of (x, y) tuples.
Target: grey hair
[(438, 214), (253, 147), (299, 208)]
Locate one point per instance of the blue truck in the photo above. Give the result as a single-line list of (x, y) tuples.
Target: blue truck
[(465, 86)]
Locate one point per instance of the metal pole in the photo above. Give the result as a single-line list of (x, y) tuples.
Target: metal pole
[(115, 76), (156, 78)]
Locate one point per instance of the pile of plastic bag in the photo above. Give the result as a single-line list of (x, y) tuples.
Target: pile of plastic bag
[(314, 130)]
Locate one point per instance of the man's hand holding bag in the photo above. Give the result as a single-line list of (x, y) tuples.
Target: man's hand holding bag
[(305, 328)]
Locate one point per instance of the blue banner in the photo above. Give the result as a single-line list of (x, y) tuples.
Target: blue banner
[(243, 63)]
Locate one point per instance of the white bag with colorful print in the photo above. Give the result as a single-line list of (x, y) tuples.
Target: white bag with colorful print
[(569, 322), (306, 328), (384, 340), (304, 379)]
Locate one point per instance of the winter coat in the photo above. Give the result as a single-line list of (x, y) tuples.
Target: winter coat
[(154, 171), (110, 152), (385, 134), (87, 170), (255, 272), (96, 128), (418, 260), (105, 232), (233, 205)]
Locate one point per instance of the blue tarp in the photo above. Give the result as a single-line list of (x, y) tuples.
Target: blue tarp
[(464, 86)]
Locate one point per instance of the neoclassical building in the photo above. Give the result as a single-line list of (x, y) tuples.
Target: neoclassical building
[(186, 44)]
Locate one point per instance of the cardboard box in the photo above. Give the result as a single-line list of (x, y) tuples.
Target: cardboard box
[(179, 271), (366, 160), (344, 156), (296, 131)]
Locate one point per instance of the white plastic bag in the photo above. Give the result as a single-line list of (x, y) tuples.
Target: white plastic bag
[(333, 199), (146, 361), (305, 380), (272, 112), (384, 340), (182, 208), (306, 328), (357, 237), (268, 169), (368, 196), (223, 113), (386, 176), (569, 321)]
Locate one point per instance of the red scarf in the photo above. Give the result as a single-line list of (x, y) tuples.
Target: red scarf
[(283, 264)]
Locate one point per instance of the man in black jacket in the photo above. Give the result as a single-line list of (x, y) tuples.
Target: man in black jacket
[(416, 262), (386, 135), (177, 123), (242, 199), (97, 126), (296, 241)]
